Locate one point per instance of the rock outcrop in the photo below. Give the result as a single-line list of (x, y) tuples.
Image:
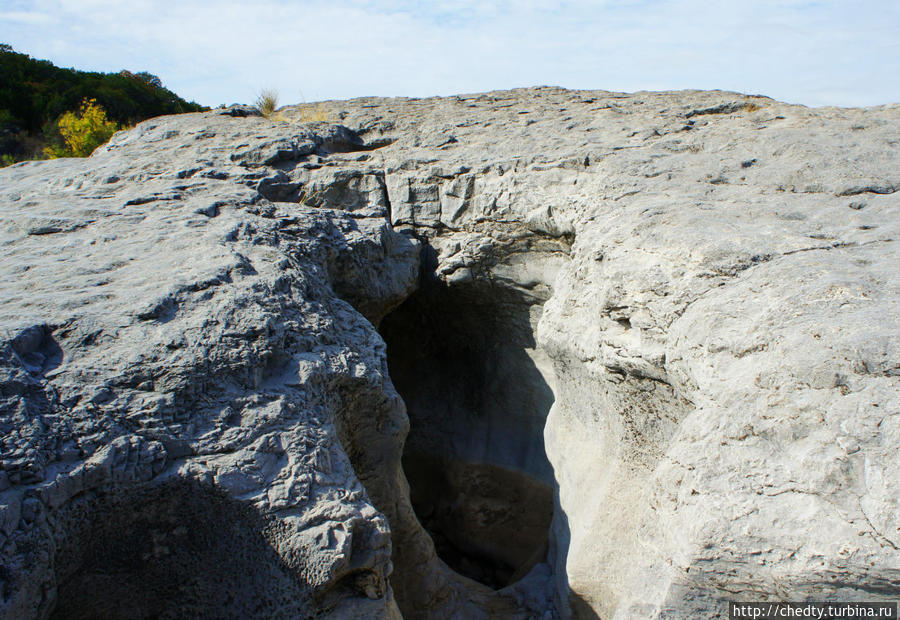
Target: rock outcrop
[(536, 353)]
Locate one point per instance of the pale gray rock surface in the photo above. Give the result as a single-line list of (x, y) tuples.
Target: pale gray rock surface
[(704, 285)]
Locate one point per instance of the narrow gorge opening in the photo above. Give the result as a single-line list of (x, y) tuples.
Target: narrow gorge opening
[(464, 360)]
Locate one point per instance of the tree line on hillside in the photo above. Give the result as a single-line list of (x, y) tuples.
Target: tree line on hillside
[(37, 97)]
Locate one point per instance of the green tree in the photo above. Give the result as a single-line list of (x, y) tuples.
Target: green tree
[(151, 79), (35, 93), (83, 131)]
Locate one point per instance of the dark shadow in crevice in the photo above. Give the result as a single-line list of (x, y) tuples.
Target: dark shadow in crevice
[(464, 360), (37, 349)]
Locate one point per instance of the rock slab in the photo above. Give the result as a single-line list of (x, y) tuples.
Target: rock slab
[(193, 388)]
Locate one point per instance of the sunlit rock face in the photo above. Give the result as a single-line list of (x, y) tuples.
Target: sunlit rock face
[(533, 353)]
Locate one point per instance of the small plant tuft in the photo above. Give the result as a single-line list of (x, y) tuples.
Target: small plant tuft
[(267, 102), (314, 113)]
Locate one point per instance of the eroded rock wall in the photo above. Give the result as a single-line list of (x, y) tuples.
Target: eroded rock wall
[(723, 333), (706, 282), (169, 331)]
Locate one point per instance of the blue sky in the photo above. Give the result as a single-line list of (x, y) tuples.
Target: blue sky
[(826, 52)]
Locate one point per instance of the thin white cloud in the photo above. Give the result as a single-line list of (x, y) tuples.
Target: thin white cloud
[(24, 17), (813, 52)]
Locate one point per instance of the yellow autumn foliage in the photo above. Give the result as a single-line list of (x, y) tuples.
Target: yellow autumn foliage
[(83, 131)]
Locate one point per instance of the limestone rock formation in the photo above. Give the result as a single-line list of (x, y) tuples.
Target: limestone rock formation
[(524, 354)]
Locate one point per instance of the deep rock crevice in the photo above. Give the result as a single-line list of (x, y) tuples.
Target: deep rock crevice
[(464, 359)]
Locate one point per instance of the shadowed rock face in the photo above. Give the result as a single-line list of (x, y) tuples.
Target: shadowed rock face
[(489, 523), (176, 550), (673, 314)]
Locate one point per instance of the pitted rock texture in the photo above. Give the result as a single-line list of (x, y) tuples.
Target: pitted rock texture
[(706, 281), (170, 332)]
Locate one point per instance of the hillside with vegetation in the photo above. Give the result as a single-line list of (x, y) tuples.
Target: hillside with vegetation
[(37, 98)]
